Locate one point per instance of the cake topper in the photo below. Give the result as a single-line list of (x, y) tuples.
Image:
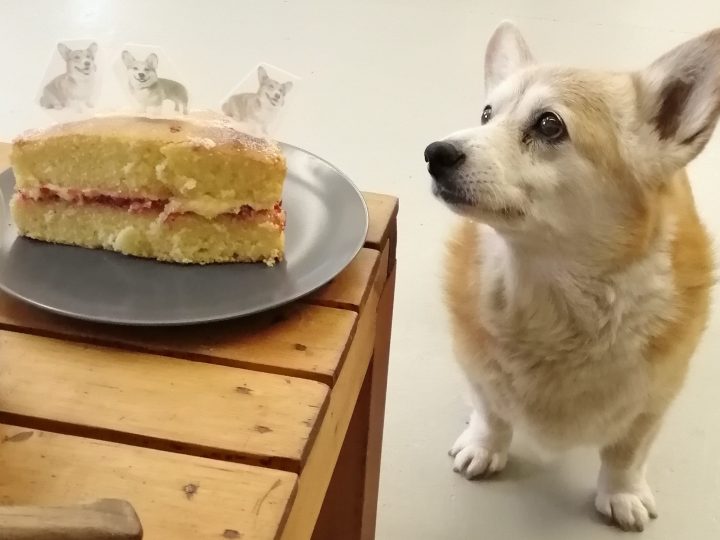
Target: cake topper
[(258, 101), (75, 88), (148, 89), (88, 78)]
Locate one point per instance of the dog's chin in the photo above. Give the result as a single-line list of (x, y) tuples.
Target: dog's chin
[(475, 209), (450, 197)]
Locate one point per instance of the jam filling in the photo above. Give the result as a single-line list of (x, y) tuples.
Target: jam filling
[(140, 204)]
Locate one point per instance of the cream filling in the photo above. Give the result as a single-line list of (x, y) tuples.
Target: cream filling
[(204, 205)]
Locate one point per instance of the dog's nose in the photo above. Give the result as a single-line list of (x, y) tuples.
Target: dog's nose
[(441, 156), (87, 63)]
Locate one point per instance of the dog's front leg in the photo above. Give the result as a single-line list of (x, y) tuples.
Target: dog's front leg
[(482, 449), (623, 494)]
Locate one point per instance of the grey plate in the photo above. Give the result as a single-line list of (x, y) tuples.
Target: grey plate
[(326, 227)]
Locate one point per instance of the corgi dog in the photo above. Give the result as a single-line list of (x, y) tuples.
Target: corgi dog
[(578, 279), (149, 90), (76, 86), (258, 110)]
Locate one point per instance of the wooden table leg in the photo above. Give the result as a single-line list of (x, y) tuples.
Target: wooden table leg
[(350, 507), (378, 393)]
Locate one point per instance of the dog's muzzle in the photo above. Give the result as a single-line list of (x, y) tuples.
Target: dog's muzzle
[(443, 158)]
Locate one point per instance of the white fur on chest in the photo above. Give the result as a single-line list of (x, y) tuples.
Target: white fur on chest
[(79, 88), (266, 111), (148, 96), (567, 348)]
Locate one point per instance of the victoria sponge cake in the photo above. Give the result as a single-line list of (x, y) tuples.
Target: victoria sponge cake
[(181, 190)]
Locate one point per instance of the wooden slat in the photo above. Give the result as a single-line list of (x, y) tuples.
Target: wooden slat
[(277, 342), (149, 400), (350, 289), (382, 210), (176, 496)]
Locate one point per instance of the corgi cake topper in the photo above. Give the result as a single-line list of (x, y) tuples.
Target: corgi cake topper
[(258, 102), (139, 69), (142, 80), (71, 83)]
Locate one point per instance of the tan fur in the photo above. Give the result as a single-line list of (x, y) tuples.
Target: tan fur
[(669, 350)]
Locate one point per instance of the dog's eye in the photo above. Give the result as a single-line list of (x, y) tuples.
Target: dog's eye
[(550, 126), (486, 115)]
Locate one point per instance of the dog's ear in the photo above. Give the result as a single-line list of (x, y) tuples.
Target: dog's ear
[(64, 51), (152, 60), (128, 59), (679, 99), (262, 75), (92, 49), (286, 87), (506, 53)]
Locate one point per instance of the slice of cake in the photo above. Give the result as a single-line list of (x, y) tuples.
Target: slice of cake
[(186, 191)]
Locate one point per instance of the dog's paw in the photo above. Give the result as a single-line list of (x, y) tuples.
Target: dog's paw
[(631, 510), (474, 457)]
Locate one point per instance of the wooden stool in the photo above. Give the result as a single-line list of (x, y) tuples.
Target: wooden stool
[(262, 428)]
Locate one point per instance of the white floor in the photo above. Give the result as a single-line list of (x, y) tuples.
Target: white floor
[(379, 81)]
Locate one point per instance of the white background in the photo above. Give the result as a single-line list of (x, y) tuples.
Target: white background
[(381, 80)]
